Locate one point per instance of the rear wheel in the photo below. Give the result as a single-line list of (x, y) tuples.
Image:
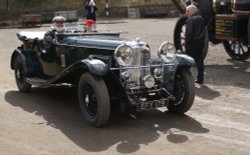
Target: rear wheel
[(183, 91), (179, 36), (237, 50), (20, 76), (94, 100)]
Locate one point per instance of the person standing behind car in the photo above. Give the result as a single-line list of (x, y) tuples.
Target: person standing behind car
[(49, 39), (194, 42), (91, 9), (89, 26), (85, 8)]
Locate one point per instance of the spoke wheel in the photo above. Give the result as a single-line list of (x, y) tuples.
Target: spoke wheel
[(90, 101), (20, 76), (237, 50), (183, 91), (94, 100)]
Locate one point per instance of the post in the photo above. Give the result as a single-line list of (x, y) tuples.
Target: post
[(107, 8), (8, 4), (248, 32)]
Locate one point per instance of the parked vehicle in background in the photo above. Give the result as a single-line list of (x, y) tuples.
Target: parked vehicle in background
[(227, 23), (70, 15), (31, 20), (38, 18)]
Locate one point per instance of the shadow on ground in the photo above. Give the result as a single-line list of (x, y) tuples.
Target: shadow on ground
[(206, 92), (237, 74), (59, 108)]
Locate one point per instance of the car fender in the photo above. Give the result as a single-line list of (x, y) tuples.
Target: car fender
[(178, 61), (15, 54), (184, 60), (94, 66), (28, 59)]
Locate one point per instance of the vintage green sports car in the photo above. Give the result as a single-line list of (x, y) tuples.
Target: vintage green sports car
[(108, 72)]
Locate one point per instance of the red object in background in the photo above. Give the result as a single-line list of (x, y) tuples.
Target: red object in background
[(89, 22)]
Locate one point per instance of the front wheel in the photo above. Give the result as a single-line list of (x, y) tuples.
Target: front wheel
[(237, 50), (183, 91), (94, 100), (20, 76)]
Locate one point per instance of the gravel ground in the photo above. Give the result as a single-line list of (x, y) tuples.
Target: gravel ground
[(48, 121)]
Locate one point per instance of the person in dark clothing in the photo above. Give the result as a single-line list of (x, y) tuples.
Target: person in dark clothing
[(91, 10), (49, 39), (57, 27), (194, 42), (85, 8)]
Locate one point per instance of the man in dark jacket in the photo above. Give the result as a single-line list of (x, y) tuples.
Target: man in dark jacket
[(195, 33), (57, 27), (50, 38)]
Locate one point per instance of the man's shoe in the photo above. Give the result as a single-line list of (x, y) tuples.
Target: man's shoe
[(198, 82)]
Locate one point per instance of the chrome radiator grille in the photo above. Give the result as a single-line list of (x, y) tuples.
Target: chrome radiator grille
[(140, 69)]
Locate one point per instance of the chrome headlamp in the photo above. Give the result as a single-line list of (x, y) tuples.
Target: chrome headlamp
[(157, 72), (149, 81), (124, 55), (125, 75), (166, 49)]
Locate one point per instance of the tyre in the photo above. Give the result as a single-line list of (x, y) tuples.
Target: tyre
[(237, 50), (179, 36), (20, 76), (183, 91), (94, 100)]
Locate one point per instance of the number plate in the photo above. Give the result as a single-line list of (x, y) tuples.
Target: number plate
[(151, 104)]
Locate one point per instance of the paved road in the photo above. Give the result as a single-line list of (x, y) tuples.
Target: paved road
[(48, 121)]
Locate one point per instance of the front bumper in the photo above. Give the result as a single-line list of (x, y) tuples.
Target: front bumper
[(140, 96)]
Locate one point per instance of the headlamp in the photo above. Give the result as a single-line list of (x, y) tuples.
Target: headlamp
[(124, 55), (125, 75), (149, 81), (157, 72), (166, 49)]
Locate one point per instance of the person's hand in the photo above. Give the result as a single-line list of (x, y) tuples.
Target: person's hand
[(54, 41), (49, 39)]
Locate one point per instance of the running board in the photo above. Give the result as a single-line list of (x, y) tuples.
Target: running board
[(38, 81)]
